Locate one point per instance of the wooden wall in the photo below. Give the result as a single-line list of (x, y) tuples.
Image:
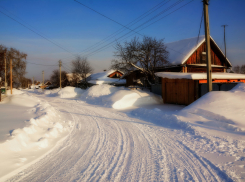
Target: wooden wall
[(179, 91), (195, 69), (216, 56)]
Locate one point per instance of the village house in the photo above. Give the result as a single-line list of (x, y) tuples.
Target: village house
[(46, 85), (185, 79), (187, 55), (112, 77)]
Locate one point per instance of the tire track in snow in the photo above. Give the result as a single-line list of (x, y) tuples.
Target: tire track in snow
[(110, 146)]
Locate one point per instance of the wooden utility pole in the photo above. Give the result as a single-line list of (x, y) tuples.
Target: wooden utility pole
[(224, 38), (208, 52), (33, 82), (60, 64), (5, 81), (11, 83), (43, 79)]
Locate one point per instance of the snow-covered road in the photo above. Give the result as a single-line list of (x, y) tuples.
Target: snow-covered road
[(107, 145)]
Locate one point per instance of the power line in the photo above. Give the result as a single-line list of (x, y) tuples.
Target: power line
[(147, 13), (40, 64), (30, 26), (200, 26), (36, 32), (134, 21), (172, 6), (105, 16)]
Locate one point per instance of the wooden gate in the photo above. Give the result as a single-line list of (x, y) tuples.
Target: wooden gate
[(179, 91)]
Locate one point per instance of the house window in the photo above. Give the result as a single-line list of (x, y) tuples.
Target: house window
[(203, 57)]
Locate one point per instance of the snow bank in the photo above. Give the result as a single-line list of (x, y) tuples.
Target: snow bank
[(70, 92), (21, 99), (224, 110), (14, 92), (125, 99), (37, 136), (52, 93), (118, 97), (100, 90)]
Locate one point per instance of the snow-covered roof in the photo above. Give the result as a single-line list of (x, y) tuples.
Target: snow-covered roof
[(180, 51), (102, 78), (199, 76)]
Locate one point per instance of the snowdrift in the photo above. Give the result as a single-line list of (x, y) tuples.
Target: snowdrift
[(37, 135), (70, 92), (226, 108), (14, 92), (118, 97)]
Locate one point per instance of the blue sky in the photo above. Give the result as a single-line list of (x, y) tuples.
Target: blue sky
[(75, 28)]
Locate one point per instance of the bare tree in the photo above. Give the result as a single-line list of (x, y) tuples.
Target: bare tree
[(145, 55), (18, 65), (236, 69), (242, 69), (239, 69), (81, 69), (55, 78)]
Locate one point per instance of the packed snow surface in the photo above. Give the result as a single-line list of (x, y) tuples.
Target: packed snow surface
[(149, 141), (199, 76)]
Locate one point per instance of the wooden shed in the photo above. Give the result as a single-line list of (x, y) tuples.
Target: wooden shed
[(185, 88)]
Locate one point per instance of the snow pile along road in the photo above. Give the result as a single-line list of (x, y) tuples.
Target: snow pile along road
[(35, 136), (118, 97), (223, 110), (70, 92)]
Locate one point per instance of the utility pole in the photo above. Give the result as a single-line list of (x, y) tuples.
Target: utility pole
[(60, 64), (208, 52), (43, 79), (5, 81), (224, 38), (33, 82), (11, 83)]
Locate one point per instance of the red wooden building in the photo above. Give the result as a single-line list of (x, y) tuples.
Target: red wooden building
[(189, 55), (185, 88)]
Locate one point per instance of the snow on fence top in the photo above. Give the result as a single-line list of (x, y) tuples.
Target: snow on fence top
[(199, 76)]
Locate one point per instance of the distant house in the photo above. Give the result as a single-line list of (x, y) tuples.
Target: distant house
[(134, 78), (112, 77), (47, 84)]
